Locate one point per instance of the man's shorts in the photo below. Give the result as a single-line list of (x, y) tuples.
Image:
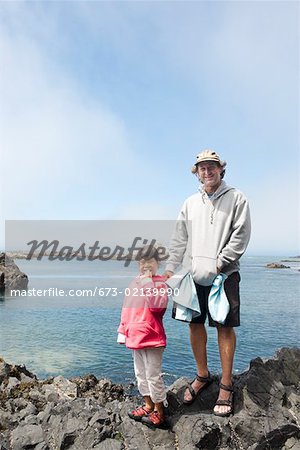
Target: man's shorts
[(232, 290)]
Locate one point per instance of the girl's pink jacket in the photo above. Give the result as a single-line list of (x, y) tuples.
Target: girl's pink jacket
[(142, 313)]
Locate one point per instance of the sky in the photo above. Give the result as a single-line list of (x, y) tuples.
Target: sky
[(104, 106)]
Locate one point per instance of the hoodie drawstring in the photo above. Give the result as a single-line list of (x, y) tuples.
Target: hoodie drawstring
[(218, 194), (212, 214), (204, 194)]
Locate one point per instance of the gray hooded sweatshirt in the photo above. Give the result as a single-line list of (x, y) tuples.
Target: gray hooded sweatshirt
[(211, 234)]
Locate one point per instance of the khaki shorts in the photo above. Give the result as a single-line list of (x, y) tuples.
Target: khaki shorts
[(232, 290)]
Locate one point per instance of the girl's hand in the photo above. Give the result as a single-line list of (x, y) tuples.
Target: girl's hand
[(148, 273)]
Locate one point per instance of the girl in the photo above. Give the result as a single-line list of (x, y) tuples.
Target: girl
[(141, 329)]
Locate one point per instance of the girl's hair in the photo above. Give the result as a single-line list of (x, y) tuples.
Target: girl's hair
[(148, 252)]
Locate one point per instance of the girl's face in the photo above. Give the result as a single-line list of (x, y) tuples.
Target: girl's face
[(149, 265)]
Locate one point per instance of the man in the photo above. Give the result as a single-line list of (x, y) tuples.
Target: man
[(212, 233)]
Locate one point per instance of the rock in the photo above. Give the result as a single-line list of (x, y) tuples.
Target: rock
[(15, 371), (266, 409), (67, 431), (85, 383), (100, 416), (11, 276), (109, 444), (292, 443), (5, 420), (26, 436), (61, 388), (88, 439), (42, 446), (25, 378), (12, 382), (267, 412), (103, 390), (277, 266), (29, 410), (51, 395), (31, 419), (138, 436), (36, 396), (198, 433), (65, 388), (5, 440), (4, 371)]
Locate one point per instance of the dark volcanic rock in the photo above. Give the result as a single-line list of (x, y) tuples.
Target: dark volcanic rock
[(85, 413), (104, 390), (26, 436), (11, 276), (267, 409), (277, 266), (19, 372)]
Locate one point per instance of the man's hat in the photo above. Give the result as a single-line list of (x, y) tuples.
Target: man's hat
[(208, 155)]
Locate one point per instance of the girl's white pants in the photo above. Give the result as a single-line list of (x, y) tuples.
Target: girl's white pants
[(147, 368)]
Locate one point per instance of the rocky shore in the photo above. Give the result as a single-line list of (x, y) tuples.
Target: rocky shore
[(85, 413), (11, 276)]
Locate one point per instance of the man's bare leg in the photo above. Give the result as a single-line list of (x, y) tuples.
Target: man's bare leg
[(227, 344), (198, 339)]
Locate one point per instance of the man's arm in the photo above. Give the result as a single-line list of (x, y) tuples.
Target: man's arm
[(178, 243), (240, 236)]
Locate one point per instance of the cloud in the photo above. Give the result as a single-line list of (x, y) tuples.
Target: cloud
[(97, 97), (241, 58), (148, 211), (275, 217), (54, 137), (244, 44), (60, 147)]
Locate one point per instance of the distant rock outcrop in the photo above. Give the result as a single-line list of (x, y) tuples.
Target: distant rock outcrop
[(85, 413), (11, 276), (277, 266)]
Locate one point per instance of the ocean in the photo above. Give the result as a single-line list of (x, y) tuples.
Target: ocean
[(75, 335)]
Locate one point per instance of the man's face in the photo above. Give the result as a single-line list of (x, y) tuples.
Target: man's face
[(209, 173)]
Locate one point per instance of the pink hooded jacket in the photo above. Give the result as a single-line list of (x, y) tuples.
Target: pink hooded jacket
[(142, 315)]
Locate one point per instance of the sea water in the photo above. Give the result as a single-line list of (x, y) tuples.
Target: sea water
[(76, 335)]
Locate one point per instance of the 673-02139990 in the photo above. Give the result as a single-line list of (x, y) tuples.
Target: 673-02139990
[(136, 292)]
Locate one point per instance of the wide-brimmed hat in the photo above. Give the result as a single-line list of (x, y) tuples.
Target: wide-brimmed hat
[(208, 155)]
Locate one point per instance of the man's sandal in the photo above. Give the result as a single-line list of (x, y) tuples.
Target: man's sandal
[(139, 412), (228, 402), (207, 380)]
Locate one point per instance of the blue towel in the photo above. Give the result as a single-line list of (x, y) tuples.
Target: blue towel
[(186, 301), (218, 304)]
